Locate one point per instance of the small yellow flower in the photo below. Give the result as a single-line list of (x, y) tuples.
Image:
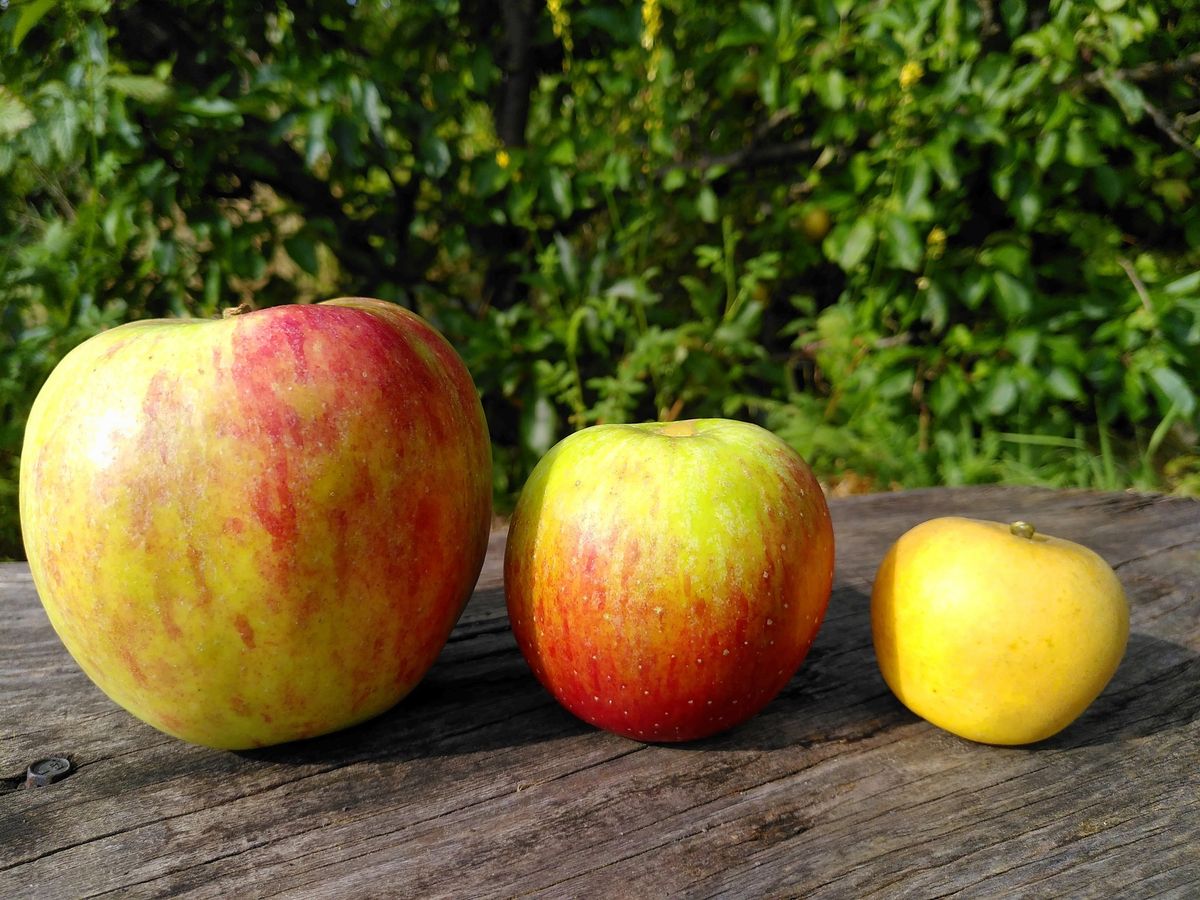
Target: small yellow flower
[(503, 159), (936, 241), (910, 73), (923, 283), (556, 16), (560, 22), (651, 22)]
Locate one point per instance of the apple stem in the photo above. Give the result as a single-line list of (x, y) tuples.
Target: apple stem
[(1022, 529), (240, 310)]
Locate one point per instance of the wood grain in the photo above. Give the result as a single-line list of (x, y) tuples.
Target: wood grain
[(480, 785)]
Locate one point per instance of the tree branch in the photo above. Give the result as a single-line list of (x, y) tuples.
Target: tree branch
[(747, 157), (513, 112), (1138, 284), (1161, 119), (987, 19), (1145, 72)]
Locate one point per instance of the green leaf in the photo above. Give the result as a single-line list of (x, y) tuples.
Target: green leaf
[(487, 177), (1024, 200), (1173, 388), (560, 192), (915, 203), (1012, 258), (1013, 13), (941, 157), (674, 180), (768, 87), (1002, 396), (831, 88), (856, 244), (1175, 191), (539, 426), (896, 385), (1023, 345), (562, 153), (1081, 150), (740, 34), (1028, 208), (373, 109), (935, 311), (303, 250), (945, 393), (1047, 150), (576, 321), (1188, 284), (762, 17), (568, 263), (29, 17), (1108, 184), (905, 243), (209, 107), (435, 156), (706, 205), (1012, 296), (212, 286), (1128, 96), (1064, 384), (15, 116), (143, 88)]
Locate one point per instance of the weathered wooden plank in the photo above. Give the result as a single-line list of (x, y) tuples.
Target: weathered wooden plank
[(479, 785)]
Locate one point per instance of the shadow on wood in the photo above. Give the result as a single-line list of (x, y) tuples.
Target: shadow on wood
[(1156, 690)]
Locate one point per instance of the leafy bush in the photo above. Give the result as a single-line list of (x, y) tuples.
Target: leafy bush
[(927, 242)]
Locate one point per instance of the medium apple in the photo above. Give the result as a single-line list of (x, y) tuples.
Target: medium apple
[(665, 581), (996, 633), (260, 528)]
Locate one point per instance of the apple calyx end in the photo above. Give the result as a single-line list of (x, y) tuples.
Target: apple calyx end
[(1022, 529), (240, 310), (678, 429)]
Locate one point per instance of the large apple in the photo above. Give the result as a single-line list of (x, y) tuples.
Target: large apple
[(258, 528), (996, 633), (665, 581)]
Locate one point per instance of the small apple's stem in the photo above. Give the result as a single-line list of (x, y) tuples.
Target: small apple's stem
[(1022, 529), (240, 310)]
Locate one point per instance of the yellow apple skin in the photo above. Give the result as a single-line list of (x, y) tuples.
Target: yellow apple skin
[(261, 528), (996, 636)]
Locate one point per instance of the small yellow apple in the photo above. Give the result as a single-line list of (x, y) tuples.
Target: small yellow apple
[(995, 632), (816, 223)]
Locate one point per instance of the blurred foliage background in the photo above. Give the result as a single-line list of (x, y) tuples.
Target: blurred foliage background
[(926, 241)]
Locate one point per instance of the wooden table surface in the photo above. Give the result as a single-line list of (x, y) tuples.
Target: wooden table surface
[(480, 785)]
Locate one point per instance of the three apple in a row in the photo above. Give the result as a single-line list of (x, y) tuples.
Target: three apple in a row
[(264, 528)]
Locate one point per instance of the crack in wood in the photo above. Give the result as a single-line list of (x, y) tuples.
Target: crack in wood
[(1156, 552), (287, 783), (451, 812), (349, 821), (474, 630), (743, 790), (1054, 873)]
